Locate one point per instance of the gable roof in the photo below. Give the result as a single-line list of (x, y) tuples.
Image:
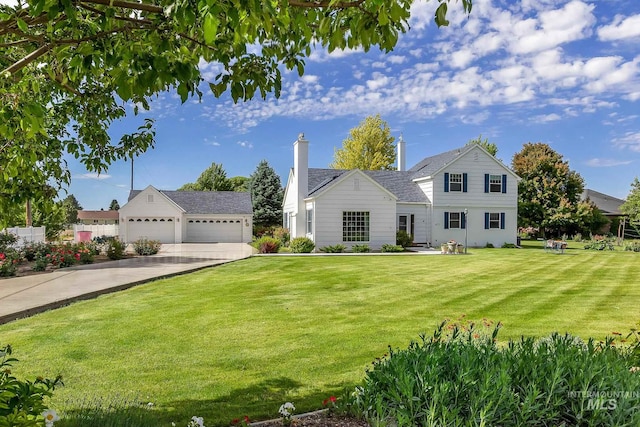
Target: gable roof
[(398, 183), (90, 215), (608, 205), (430, 165), (208, 202)]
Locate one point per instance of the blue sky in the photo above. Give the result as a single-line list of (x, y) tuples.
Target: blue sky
[(566, 73)]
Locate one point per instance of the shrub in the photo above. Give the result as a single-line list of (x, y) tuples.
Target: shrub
[(63, 256), (335, 249), (267, 245), (460, 376), (7, 240), (599, 245), (403, 238), (302, 245), (34, 250), (632, 246), (506, 245), (282, 234), (489, 245), (146, 247), (9, 260), (40, 263), (22, 401), (115, 249), (577, 237), (360, 248), (391, 248)]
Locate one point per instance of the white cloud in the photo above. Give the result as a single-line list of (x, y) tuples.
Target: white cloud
[(630, 141), (606, 163), (545, 118), (553, 28), (245, 144), (212, 143), (621, 28), (95, 176)]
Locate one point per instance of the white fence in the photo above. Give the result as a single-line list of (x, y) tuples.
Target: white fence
[(27, 234), (96, 230)]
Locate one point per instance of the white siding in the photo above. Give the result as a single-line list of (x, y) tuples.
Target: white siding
[(290, 205), (477, 235), (362, 195), (421, 220), (156, 206)]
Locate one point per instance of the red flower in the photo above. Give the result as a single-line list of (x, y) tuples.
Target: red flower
[(2, 256), (235, 421), (331, 399), (77, 256), (246, 419)]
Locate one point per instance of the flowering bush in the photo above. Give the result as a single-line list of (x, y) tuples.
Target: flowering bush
[(330, 404), (196, 422), (286, 410), (50, 416), (9, 261), (146, 246)]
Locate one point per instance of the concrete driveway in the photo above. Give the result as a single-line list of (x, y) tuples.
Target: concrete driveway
[(25, 296)]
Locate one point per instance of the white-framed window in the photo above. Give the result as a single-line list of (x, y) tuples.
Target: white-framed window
[(455, 182), (402, 223), (309, 221), (495, 183), (355, 226), (494, 220), (454, 220)]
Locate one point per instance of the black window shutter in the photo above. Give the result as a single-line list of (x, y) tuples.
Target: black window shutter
[(486, 182), (446, 182), (504, 183), (486, 220), (502, 220), (464, 182), (463, 220), (446, 220)]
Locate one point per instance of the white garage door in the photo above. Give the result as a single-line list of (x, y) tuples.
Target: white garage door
[(161, 229), (214, 230)]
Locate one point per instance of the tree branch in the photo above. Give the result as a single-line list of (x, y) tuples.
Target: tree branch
[(323, 4), (118, 18), (17, 66), (128, 5)]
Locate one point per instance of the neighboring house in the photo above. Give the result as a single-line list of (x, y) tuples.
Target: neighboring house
[(609, 206), (187, 216), (428, 201), (98, 217)]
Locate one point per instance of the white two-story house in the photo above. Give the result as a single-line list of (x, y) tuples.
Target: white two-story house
[(461, 193)]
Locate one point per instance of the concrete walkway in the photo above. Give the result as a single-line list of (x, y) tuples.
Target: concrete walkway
[(28, 295)]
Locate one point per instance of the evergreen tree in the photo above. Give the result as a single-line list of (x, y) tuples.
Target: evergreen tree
[(369, 147), (71, 206), (266, 195)]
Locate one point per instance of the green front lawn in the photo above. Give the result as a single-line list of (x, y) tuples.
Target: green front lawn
[(245, 337)]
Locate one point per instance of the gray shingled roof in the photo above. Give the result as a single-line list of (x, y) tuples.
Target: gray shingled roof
[(430, 165), (608, 205), (398, 183), (209, 202)]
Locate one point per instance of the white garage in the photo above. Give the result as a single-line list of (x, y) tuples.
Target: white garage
[(187, 216), (218, 230), (162, 229)]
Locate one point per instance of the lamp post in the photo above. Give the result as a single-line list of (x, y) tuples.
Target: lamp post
[(466, 229)]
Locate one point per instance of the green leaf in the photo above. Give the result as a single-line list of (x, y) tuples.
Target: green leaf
[(383, 19), (22, 25), (441, 15), (210, 29)]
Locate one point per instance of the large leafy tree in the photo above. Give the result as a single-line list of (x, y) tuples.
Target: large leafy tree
[(266, 195), (368, 147), (114, 205), (213, 178), (549, 192), (239, 183), (631, 206), (71, 206)]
